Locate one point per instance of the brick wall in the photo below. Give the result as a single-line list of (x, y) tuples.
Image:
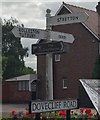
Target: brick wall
[(11, 94), (77, 63)]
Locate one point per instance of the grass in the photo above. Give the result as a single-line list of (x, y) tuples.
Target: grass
[(5, 115), (0, 117)]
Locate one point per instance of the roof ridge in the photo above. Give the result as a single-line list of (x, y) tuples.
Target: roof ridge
[(79, 7)]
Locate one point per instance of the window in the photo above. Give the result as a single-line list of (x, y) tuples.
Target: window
[(57, 57), (23, 85), (65, 83)]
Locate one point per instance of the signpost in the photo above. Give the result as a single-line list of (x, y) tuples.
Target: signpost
[(68, 19), (29, 32), (53, 105), (50, 47), (42, 34), (59, 36)]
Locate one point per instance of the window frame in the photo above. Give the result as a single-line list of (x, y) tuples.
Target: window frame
[(57, 57), (23, 85), (65, 83)]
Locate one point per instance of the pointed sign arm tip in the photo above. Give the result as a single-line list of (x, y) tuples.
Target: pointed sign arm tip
[(87, 14)]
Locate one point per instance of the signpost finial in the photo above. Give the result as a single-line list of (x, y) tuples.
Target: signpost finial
[(48, 11)]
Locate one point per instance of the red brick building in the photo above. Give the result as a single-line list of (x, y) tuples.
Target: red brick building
[(79, 60), (18, 89)]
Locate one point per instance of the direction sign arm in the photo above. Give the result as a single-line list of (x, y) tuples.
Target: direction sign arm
[(68, 18)]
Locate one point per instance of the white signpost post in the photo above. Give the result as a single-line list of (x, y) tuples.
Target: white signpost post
[(52, 21)]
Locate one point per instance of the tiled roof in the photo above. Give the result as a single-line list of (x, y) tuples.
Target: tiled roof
[(92, 22), (23, 77)]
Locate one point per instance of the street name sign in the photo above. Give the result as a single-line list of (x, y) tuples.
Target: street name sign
[(42, 34), (29, 32), (53, 105), (50, 47), (59, 36), (0, 21), (68, 18)]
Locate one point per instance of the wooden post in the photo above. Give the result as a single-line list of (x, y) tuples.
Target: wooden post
[(37, 116), (67, 114), (34, 97)]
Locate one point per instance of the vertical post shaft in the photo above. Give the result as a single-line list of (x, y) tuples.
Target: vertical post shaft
[(49, 63)]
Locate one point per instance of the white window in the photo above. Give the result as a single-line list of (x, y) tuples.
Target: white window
[(65, 83), (19, 85), (23, 85), (57, 57)]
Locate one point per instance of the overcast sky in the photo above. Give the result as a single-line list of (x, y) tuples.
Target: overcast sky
[(32, 14)]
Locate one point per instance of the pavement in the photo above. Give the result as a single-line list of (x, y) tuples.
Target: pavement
[(8, 108)]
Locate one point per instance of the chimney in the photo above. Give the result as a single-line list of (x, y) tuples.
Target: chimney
[(98, 11), (98, 8)]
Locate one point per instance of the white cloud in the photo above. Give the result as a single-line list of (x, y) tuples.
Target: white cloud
[(31, 62)]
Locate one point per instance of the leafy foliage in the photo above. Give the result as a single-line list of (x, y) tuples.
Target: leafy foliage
[(13, 52), (0, 68)]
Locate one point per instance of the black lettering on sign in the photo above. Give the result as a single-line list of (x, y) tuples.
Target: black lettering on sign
[(56, 105), (50, 105), (22, 35), (21, 29), (65, 19), (29, 31), (59, 104), (71, 103), (66, 104), (42, 106), (33, 106), (46, 106), (71, 18), (59, 20), (68, 18), (19, 33), (62, 19), (38, 106), (74, 103), (61, 37)]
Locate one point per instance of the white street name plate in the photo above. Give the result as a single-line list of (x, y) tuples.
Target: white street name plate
[(53, 105), (68, 18), (29, 32), (42, 34), (59, 36)]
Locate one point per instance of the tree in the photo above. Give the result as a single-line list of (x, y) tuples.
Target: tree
[(12, 51), (4, 63), (96, 71), (0, 68)]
